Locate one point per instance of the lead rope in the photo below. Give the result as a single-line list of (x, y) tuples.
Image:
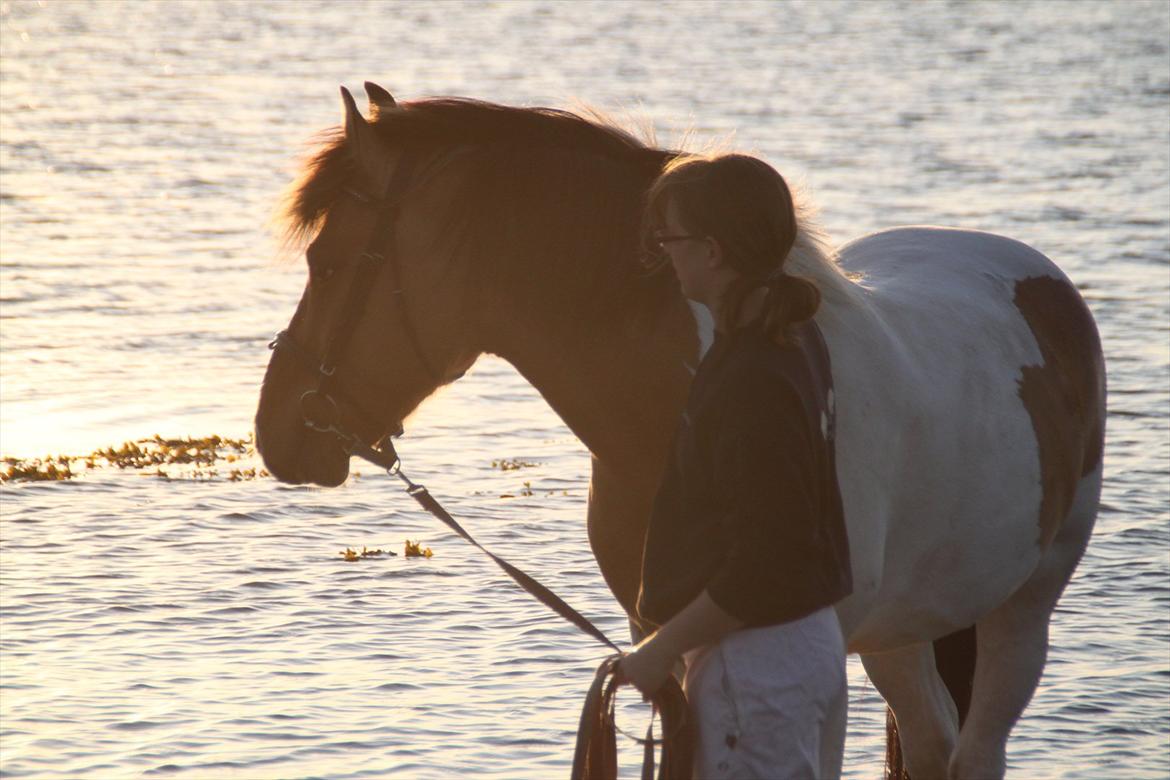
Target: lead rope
[(595, 757)]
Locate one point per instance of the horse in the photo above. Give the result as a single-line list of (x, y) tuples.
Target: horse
[(968, 376)]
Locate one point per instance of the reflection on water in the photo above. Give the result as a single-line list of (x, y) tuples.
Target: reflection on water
[(209, 628)]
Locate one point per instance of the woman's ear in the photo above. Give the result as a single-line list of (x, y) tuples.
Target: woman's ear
[(714, 254)]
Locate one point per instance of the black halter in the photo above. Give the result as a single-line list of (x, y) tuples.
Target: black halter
[(318, 407)]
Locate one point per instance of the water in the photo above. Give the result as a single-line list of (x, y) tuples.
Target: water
[(208, 629)]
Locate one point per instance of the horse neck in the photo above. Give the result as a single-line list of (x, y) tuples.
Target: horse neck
[(618, 380), (619, 376), (552, 284)]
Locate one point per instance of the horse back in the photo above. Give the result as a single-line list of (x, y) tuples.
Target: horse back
[(972, 403)]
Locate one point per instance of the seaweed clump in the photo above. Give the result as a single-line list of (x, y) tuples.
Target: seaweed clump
[(353, 555), (416, 550), (412, 550), (50, 469), (190, 457), (157, 451), (512, 464)]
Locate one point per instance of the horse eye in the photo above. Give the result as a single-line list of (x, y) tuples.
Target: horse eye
[(319, 271)]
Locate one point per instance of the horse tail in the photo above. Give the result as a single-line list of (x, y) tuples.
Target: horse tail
[(954, 658)]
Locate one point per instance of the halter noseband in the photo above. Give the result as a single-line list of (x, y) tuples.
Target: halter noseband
[(319, 409)]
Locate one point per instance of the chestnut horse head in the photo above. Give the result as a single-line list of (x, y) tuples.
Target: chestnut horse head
[(438, 230)]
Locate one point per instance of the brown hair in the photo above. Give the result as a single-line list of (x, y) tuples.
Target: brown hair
[(744, 205)]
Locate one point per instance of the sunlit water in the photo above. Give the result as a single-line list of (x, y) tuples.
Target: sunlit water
[(208, 629)]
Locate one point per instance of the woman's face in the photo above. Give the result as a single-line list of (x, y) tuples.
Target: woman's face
[(692, 256)]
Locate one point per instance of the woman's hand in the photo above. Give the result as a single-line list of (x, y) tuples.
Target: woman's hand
[(646, 667), (702, 622)]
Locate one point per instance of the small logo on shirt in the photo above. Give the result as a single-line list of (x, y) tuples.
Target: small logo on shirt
[(829, 418)]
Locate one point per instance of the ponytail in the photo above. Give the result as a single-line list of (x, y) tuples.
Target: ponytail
[(790, 300)]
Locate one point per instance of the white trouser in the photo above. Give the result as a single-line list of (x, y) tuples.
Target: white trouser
[(771, 703)]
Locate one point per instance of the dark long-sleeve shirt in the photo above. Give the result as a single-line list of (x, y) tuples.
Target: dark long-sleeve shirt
[(749, 508)]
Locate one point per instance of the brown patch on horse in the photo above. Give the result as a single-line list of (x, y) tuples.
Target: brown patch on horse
[(1064, 395)]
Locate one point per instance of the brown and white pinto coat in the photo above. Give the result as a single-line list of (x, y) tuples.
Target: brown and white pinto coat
[(971, 408), (969, 384)]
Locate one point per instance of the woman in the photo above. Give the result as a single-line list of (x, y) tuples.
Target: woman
[(746, 550)]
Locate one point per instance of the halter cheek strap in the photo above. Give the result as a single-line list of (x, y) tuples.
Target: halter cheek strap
[(319, 406)]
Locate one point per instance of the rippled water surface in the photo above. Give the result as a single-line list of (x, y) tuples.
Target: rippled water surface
[(205, 628)]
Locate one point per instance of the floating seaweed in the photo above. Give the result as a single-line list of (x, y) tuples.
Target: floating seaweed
[(416, 550), (196, 456), (156, 450), (512, 464), (526, 491), (353, 555), (36, 470)]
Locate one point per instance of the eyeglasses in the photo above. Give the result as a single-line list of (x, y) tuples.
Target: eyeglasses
[(661, 240), (654, 254)]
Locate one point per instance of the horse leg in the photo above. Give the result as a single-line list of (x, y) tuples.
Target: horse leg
[(1013, 645), (618, 513), (954, 658), (927, 719)]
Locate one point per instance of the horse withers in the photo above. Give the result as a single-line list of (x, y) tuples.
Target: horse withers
[(968, 373)]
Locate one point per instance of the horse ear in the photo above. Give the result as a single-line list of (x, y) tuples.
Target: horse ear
[(380, 99), (355, 123), (363, 141)]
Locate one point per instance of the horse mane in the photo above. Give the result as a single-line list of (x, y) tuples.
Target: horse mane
[(814, 257), (431, 125), (553, 190)]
